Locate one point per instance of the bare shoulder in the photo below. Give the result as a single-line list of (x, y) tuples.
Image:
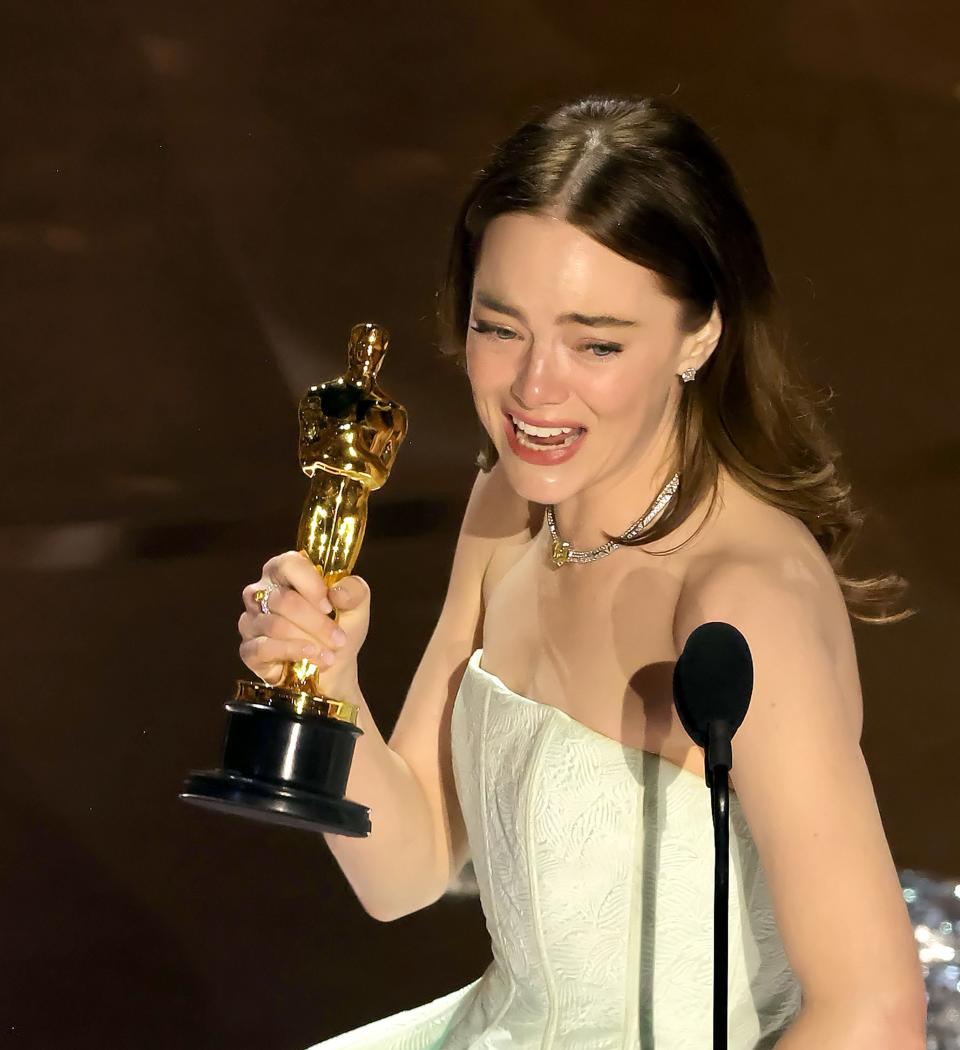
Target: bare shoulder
[(764, 572), (759, 557), (799, 773), (506, 519)]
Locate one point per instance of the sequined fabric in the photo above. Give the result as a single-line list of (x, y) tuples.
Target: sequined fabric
[(934, 907)]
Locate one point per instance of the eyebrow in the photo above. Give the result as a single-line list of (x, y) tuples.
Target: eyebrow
[(592, 320)]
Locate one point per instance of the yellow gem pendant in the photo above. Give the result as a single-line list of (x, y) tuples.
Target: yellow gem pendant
[(560, 552)]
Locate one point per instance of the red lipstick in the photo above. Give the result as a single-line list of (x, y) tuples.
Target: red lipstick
[(547, 456)]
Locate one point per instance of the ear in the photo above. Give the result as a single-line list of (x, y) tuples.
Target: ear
[(699, 345)]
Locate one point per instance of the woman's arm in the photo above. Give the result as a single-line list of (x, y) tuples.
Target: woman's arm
[(421, 736), (808, 799), (418, 844)]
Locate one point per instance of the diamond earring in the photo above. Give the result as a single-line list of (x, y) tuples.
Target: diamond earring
[(688, 375)]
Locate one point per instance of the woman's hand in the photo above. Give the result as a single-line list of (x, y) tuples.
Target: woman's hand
[(298, 625)]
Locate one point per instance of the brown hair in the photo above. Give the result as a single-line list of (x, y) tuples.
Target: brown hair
[(642, 178)]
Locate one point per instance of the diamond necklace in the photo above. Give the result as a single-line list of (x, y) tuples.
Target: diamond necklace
[(562, 552)]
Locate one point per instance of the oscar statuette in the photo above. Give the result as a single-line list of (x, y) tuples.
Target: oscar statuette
[(289, 747)]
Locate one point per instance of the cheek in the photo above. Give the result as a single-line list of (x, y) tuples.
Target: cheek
[(486, 387), (629, 393), (486, 371)]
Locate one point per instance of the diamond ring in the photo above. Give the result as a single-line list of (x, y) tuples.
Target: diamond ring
[(262, 597)]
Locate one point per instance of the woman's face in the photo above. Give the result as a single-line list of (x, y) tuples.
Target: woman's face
[(565, 333)]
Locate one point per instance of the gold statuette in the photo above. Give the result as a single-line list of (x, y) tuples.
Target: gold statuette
[(289, 746)]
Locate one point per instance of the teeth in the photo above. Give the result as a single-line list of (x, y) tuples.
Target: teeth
[(527, 443), (529, 428)]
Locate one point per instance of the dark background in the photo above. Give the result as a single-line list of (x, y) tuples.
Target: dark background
[(197, 201)]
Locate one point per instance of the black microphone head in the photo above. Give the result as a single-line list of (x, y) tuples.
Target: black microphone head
[(713, 679)]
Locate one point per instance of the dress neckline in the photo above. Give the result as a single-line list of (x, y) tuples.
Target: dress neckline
[(474, 665)]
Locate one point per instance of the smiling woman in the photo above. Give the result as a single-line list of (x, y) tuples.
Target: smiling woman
[(609, 297), (526, 372), (609, 182)]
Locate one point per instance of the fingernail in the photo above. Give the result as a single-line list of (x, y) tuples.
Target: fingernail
[(338, 636), (326, 658), (325, 606)]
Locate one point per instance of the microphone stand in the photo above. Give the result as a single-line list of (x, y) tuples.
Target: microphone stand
[(719, 760), (712, 683)]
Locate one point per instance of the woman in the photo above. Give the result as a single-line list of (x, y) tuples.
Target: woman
[(609, 293)]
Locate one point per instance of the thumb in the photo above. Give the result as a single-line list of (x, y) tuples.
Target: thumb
[(352, 592)]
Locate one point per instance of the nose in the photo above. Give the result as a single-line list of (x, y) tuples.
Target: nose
[(539, 379)]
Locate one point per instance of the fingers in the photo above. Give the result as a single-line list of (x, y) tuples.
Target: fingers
[(297, 625), (261, 625), (291, 619), (295, 571), (261, 653), (289, 605), (293, 630), (250, 603), (350, 593)]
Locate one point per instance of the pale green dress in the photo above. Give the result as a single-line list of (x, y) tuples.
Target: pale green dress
[(595, 867)]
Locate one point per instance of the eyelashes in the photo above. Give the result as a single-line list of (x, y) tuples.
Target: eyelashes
[(484, 328), (601, 350)]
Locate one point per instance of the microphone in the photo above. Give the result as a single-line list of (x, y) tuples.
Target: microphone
[(712, 685)]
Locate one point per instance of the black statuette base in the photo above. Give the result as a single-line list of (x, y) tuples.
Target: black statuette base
[(283, 768)]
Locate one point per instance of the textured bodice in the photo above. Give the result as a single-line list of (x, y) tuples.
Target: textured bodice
[(595, 866)]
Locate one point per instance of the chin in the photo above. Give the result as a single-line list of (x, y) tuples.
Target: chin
[(537, 484)]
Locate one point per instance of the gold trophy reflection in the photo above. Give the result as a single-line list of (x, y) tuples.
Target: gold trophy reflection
[(350, 432), (288, 747)]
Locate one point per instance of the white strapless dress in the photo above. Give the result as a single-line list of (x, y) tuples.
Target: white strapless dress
[(595, 867)]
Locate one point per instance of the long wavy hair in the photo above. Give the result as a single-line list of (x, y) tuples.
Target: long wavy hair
[(643, 179)]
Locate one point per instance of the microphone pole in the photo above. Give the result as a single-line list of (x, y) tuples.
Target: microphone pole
[(720, 808), (712, 683)]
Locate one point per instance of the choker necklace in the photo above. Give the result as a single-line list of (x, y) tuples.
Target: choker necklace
[(562, 552)]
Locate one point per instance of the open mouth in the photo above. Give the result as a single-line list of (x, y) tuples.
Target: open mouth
[(544, 438)]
